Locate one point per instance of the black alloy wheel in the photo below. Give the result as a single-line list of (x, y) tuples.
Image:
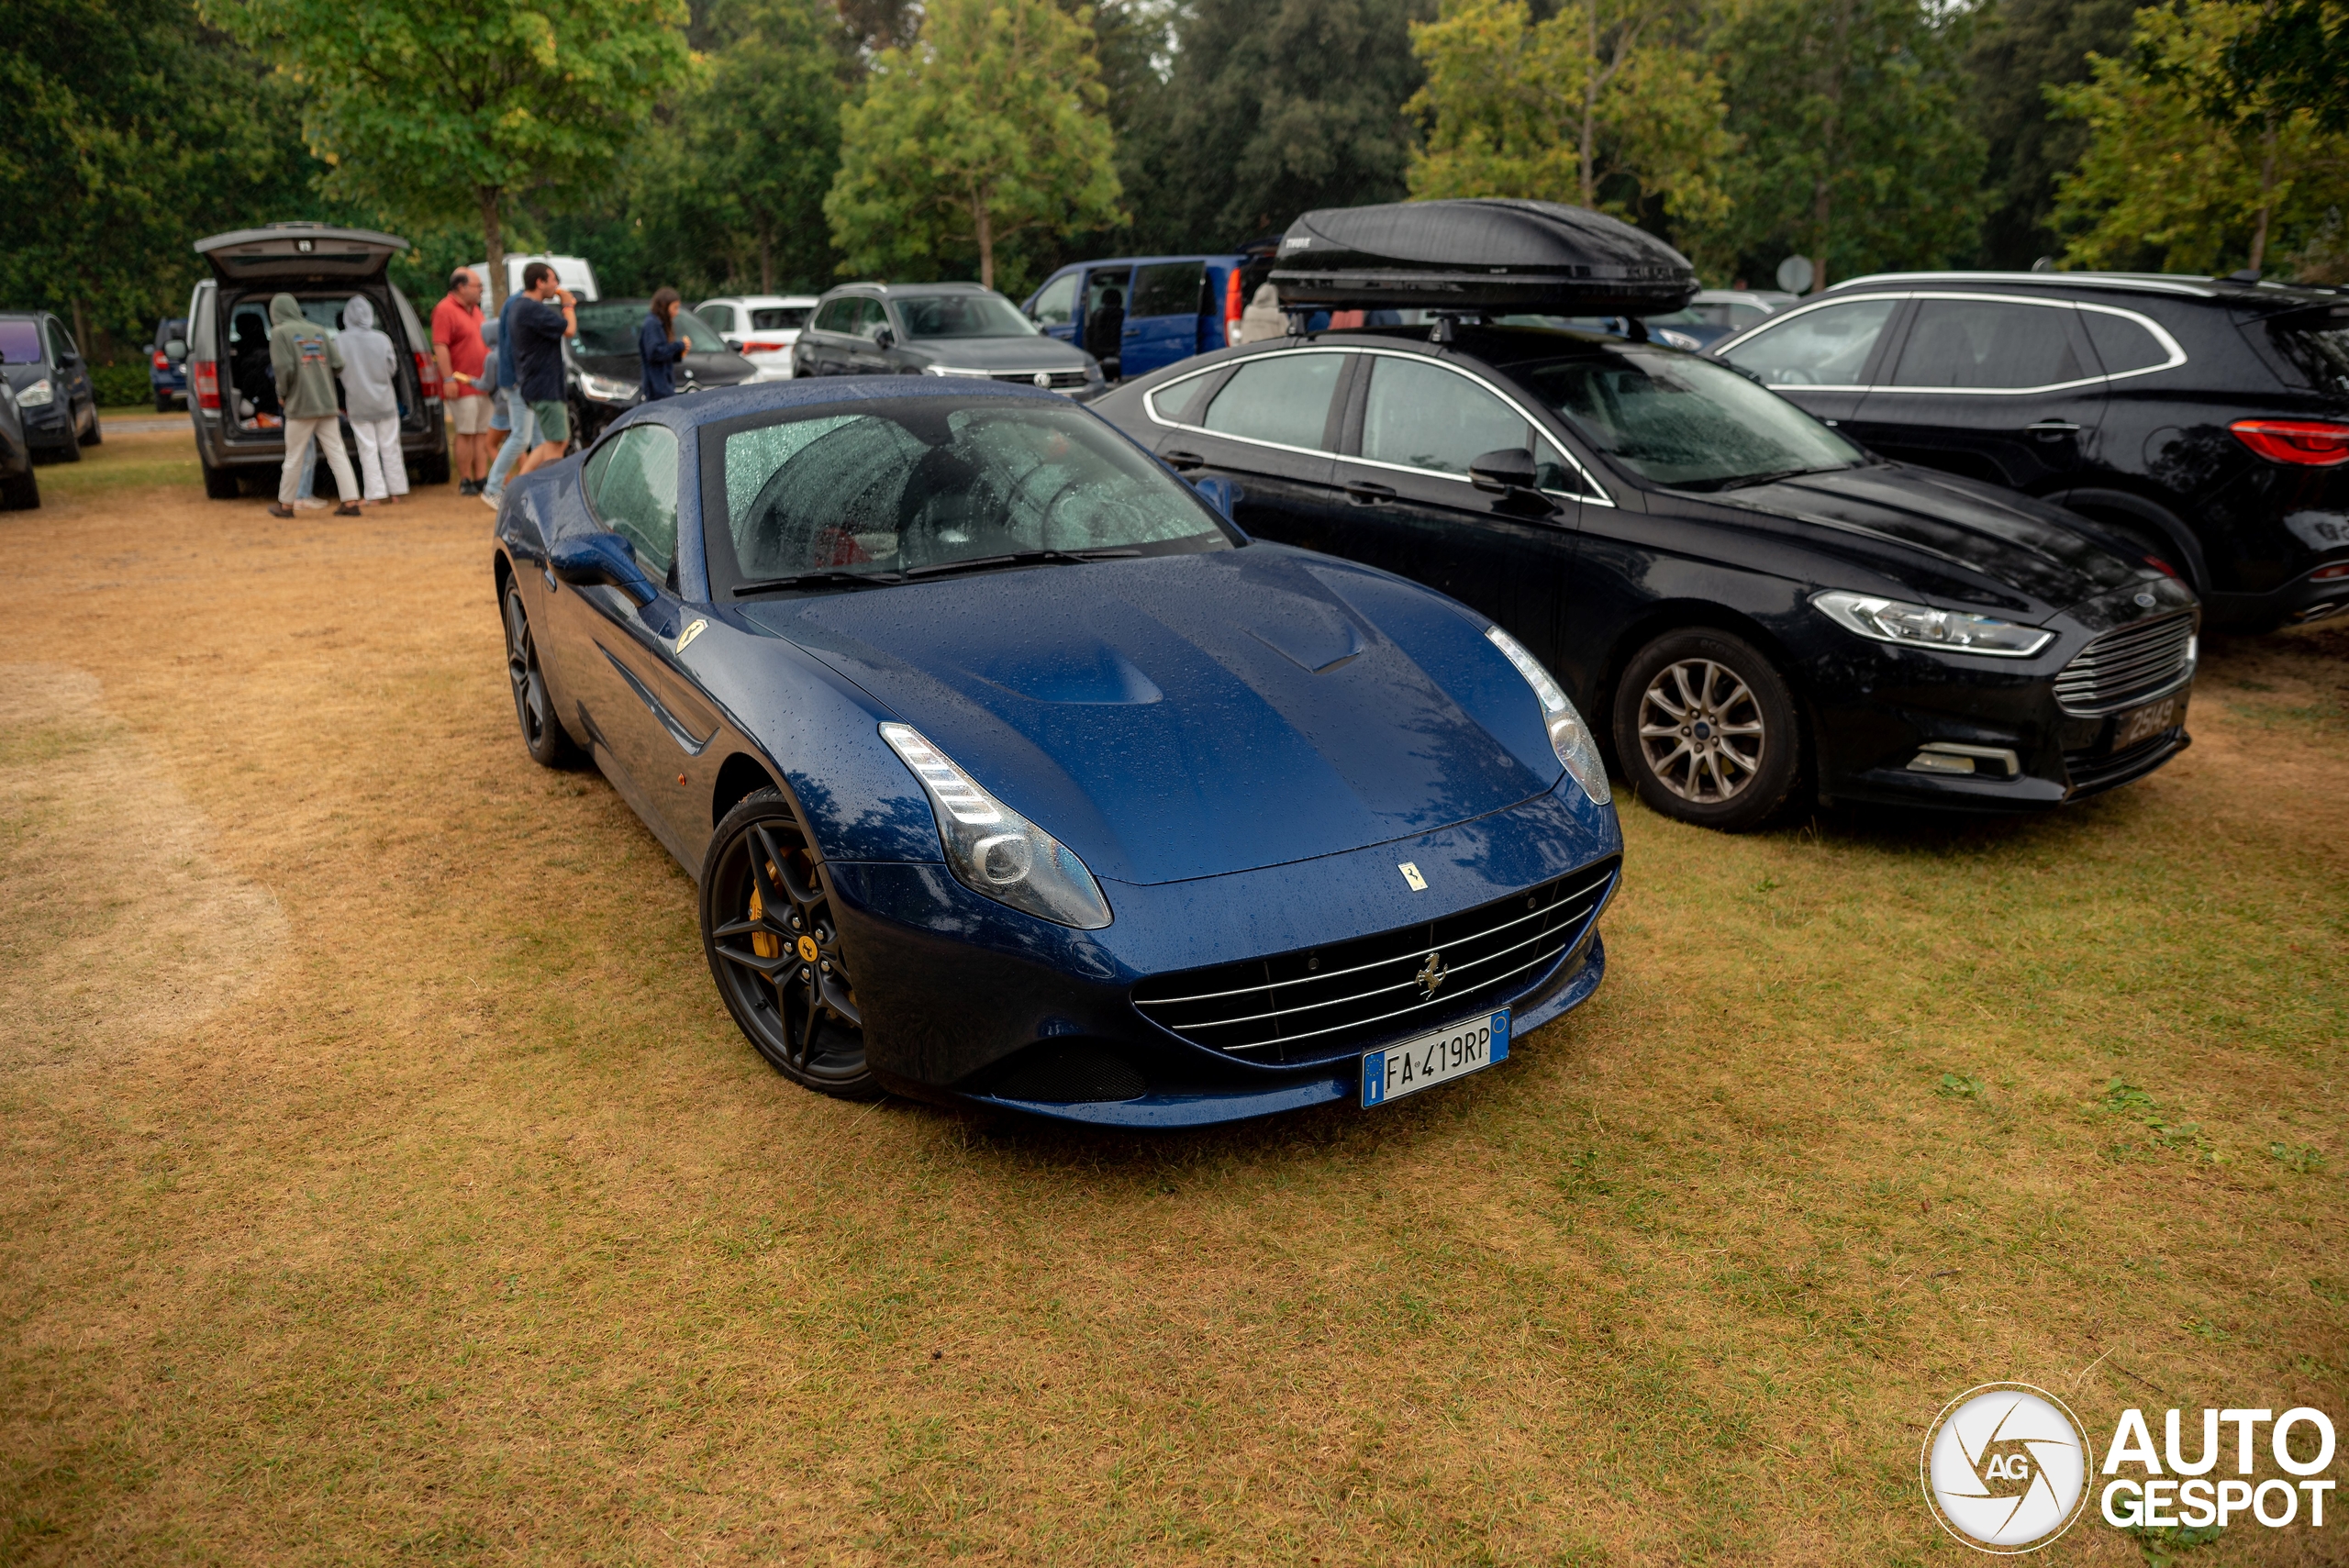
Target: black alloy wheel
[(20, 493), (1705, 728), (72, 451), (767, 923), (542, 733), (97, 436)]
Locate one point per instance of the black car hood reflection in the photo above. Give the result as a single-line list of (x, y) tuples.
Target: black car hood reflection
[(1189, 715), (1997, 538), (709, 370)]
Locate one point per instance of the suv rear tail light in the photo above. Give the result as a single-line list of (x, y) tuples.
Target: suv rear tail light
[(160, 360), (760, 346), (428, 376), (2333, 573), (2306, 443), (205, 374), (1234, 307)]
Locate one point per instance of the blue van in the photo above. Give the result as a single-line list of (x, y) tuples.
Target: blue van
[(1168, 309)]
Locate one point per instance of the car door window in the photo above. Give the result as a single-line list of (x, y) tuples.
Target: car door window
[(718, 315), (1168, 288), (1058, 301), (2122, 343), (836, 316), (1424, 416), (1826, 347), (1283, 398), (632, 486), (1987, 344), (870, 318)]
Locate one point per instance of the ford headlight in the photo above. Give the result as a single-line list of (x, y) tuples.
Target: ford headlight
[(992, 849), (1889, 620), (1569, 736), (607, 389), (39, 395)]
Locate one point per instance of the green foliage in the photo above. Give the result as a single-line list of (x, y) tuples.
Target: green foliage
[(122, 385), (2022, 48), (1595, 106), (2162, 1545), (989, 127), (2182, 177), (2293, 58), (1858, 148), (131, 132), (2297, 1157), (728, 191), (435, 110), (1959, 1086), (1274, 107), (2127, 1101)]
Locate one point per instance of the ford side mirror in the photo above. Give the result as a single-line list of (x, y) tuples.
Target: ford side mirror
[(588, 561), (1511, 468)]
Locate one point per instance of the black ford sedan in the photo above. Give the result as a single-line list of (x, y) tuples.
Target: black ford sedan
[(1756, 609)]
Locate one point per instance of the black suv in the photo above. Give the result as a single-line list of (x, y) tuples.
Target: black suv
[(239, 425), (2206, 420), (59, 407), (937, 329)]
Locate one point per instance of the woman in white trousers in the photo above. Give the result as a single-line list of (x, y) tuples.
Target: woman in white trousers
[(371, 401)]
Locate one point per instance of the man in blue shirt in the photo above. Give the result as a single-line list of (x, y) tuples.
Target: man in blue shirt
[(522, 430), (533, 333)]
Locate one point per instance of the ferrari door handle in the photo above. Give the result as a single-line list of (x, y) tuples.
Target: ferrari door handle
[(1369, 494), (1183, 462), (2048, 429)]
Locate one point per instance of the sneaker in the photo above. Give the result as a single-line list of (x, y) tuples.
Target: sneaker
[(468, 487), (311, 504), (349, 509), (280, 509), (492, 499)]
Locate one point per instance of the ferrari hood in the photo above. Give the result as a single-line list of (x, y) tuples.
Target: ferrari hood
[(1189, 716), (1978, 543)]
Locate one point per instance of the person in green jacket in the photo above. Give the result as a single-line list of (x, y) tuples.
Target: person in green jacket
[(305, 358)]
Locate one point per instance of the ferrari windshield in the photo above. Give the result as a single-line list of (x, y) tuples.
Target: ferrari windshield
[(961, 315), (924, 485), (1686, 422)]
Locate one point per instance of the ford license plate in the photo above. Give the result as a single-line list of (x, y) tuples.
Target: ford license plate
[(2143, 723), (1433, 1059)]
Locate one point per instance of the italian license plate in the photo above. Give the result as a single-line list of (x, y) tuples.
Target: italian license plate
[(1433, 1059), (2143, 723)]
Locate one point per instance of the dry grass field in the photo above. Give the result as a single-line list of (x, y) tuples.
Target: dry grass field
[(381, 1180)]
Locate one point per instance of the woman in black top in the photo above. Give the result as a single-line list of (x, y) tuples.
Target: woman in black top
[(660, 345)]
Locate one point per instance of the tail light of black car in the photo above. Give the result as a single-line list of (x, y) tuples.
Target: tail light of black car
[(2303, 443)]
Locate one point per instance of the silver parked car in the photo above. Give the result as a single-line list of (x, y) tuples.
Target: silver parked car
[(937, 329)]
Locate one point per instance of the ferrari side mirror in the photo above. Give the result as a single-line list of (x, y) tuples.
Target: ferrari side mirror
[(605, 560)]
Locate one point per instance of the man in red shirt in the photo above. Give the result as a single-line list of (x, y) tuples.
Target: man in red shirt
[(457, 346)]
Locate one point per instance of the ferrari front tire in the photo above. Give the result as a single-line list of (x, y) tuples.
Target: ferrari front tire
[(544, 736)]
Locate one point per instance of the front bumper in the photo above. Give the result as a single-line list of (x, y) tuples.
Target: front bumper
[(50, 428), (962, 996)]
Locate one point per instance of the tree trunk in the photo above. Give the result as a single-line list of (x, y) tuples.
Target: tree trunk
[(1590, 112), (82, 332), (766, 260), (2267, 196), (1822, 194), (983, 223), (493, 234)]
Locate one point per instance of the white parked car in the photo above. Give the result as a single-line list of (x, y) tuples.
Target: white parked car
[(761, 328), (572, 273)]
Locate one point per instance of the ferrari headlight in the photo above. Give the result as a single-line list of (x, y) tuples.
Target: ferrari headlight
[(1889, 620), (607, 389), (39, 395), (992, 849), (1569, 736)]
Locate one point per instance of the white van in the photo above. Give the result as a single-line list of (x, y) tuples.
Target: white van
[(574, 273)]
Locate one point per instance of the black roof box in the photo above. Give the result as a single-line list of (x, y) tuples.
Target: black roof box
[(1483, 254)]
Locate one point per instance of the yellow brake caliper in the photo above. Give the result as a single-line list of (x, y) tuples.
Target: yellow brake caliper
[(766, 944)]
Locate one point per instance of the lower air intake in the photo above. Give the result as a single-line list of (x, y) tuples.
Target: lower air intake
[(1070, 1074)]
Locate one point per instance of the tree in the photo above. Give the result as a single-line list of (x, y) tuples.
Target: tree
[(1856, 149), (2024, 47), (133, 130), (736, 177), (989, 127), (1597, 103), (1272, 108), (438, 109), (2293, 57), (2184, 169)]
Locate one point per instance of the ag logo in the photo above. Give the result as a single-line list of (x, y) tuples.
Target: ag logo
[(2005, 1467)]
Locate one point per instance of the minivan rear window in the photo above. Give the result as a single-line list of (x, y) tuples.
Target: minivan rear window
[(2315, 343)]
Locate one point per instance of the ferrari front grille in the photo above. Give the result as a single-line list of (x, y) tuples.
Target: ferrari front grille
[(1325, 1002), (2127, 667)]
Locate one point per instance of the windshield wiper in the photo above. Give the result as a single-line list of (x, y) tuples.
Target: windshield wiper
[(819, 580), (1019, 558), (1745, 481)]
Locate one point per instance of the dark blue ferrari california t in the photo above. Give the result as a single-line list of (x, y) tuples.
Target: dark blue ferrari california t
[(1014, 774)]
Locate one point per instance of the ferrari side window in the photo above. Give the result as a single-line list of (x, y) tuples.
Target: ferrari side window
[(632, 486)]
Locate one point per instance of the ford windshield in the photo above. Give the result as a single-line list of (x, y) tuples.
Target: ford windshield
[(1686, 422)]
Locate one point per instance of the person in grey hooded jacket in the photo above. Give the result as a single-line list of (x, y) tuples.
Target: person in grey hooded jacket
[(305, 358), (371, 397)]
